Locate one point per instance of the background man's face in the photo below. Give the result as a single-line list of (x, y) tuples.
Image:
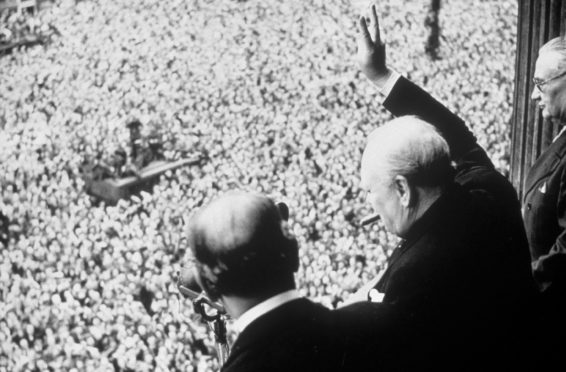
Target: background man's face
[(552, 99)]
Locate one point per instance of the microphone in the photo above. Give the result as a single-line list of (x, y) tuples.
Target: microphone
[(188, 286), (188, 280)]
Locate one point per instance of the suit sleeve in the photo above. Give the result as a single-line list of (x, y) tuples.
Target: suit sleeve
[(407, 98)]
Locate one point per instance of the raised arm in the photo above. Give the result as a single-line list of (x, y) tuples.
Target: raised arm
[(474, 169), (405, 98)]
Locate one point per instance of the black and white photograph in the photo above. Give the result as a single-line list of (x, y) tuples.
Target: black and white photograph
[(282, 185)]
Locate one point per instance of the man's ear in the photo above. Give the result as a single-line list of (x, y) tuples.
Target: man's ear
[(404, 191)]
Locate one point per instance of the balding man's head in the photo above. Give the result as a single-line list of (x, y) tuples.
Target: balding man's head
[(404, 161), (410, 147), (240, 245), (549, 91)]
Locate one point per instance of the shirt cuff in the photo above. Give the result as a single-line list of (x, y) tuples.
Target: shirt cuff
[(390, 83)]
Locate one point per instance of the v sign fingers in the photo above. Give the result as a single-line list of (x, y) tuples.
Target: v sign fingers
[(371, 53), (375, 25), (364, 38)]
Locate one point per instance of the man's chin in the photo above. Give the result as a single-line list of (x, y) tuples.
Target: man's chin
[(555, 119)]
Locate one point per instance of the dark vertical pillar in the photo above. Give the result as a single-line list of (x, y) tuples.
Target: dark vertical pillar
[(432, 23), (539, 21)]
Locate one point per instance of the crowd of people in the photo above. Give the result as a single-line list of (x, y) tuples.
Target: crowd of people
[(22, 27), (269, 90)]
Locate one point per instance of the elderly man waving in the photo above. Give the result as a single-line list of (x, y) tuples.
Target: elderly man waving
[(462, 270)]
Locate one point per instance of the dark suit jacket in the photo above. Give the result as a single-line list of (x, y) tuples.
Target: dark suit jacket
[(544, 211), (296, 336), (474, 169), (463, 272), (379, 337), (305, 336)]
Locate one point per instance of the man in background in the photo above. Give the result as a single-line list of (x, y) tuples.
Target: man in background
[(544, 200)]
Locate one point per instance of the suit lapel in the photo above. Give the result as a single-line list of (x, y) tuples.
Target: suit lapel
[(545, 164)]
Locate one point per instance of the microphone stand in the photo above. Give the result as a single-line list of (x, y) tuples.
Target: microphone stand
[(216, 319), (218, 322)]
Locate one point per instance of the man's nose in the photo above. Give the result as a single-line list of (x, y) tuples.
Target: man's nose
[(535, 94)]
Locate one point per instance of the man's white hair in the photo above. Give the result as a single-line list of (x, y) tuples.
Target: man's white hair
[(558, 46), (410, 147)]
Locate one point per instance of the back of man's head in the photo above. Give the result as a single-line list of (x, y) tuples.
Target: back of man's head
[(410, 147), (241, 247)]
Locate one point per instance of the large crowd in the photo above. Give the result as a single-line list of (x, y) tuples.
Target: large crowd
[(22, 27), (270, 91)]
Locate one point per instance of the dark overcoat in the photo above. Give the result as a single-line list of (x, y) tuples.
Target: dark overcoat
[(463, 273), (305, 336)]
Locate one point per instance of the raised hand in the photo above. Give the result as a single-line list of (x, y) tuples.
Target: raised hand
[(371, 50)]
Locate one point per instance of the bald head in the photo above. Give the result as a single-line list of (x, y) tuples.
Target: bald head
[(410, 147), (405, 168), (239, 243)]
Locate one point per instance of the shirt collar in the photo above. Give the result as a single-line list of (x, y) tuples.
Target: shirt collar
[(264, 307)]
